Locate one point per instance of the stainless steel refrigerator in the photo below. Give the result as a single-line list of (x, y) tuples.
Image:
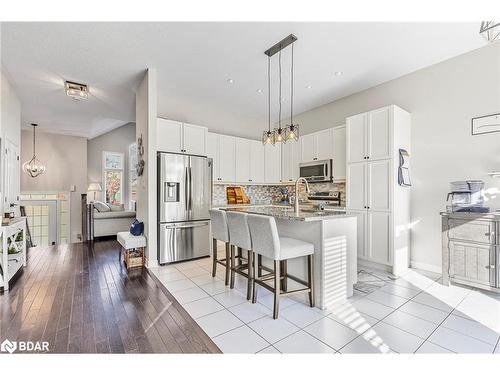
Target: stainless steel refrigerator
[(184, 198)]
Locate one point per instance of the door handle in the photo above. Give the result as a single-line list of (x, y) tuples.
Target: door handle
[(184, 226), (490, 267), (186, 187), (190, 189)]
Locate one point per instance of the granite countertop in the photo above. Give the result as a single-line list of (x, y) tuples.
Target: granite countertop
[(495, 215), (287, 213)]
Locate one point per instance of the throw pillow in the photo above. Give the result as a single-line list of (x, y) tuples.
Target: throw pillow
[(101, 206)]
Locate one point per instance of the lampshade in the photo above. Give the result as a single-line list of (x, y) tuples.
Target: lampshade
[(94, 186)]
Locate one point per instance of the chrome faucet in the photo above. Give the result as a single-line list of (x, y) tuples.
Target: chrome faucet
[(296, 203)]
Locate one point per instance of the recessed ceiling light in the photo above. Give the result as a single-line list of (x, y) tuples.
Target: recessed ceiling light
[(338, 73), (309, 87), (76, 90), (230, 81), (259, 91)]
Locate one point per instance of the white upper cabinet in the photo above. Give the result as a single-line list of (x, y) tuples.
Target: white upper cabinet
[(213, 152), (256, 161), (168, 135), (174, 136), (194, 139), (339, 163), (317, 146), (379, 134), (272, 167), (356, 138), (243, 160), (226, 158), (369, 136), (290, 159), (324, 144)]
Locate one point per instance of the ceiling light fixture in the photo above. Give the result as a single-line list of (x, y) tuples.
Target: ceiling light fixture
[(76, 90), (280, 134), (230, 81), (33, 167), (259, 91), (490, 30), (309, 87), (338, 73)]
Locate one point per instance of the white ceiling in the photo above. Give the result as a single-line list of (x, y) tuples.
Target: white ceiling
[(195, 60)]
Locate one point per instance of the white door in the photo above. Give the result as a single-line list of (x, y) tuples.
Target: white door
[(194, 139), (379, 182), (308, 147), (362, 217), (272, 168), (356, 138), (256, 161), (339, 165), (356, 186), (379, 234), (226, 158), (12, 175), (324, 144), (168, 135), (242, 160), (213, 152), (379, 135)]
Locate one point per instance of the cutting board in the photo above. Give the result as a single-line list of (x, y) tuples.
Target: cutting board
[(236, 195)]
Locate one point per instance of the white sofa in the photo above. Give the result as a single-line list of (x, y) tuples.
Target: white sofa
[(112, 222)]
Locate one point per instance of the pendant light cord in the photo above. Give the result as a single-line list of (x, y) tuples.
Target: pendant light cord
[(34, 152), (279, 117), (269, 93), (291, 93)]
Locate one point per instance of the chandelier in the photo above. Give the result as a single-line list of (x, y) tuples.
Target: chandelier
[(291, 131), (490, 30), (33, 167)]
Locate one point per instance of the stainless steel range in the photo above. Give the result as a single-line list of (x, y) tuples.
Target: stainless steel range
[(184, 198)]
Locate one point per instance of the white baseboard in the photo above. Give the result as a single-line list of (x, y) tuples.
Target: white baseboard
[(426, 267), (151, 263)]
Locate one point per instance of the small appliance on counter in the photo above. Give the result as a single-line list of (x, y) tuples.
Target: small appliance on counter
[(467, 196)]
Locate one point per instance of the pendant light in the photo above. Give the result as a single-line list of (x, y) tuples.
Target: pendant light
[(279, 134), (268, 136), (33, 167), (292, 130)]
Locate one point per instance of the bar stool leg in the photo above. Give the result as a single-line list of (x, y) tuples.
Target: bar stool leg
[(240, 255), (310, 279), (228, 263), (232, 266), (254, 289), (277, 289), (250, 275), (214, 257), (284, 272), (259, 265)]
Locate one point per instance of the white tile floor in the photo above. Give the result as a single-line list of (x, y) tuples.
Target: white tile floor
[(412, 314)]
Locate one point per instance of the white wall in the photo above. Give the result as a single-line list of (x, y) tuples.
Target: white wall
[(442, 99), (117, 140), (65, 158), (146, 113), (10, 125)]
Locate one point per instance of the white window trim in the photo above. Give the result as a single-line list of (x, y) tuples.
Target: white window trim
[(130, 166), (104, 169)]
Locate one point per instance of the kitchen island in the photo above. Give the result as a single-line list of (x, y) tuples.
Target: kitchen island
[(334, 235)]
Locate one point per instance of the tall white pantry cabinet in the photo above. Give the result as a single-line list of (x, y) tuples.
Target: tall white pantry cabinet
[(373, 141)]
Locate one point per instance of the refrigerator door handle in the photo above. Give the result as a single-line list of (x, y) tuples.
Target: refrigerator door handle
[(186, 189), (190, 191)]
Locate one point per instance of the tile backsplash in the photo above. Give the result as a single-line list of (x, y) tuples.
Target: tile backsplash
[(266, 194)]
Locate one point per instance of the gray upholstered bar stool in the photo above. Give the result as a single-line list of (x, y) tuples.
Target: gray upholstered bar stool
[(220, 231), (239, 235), (267, 242)]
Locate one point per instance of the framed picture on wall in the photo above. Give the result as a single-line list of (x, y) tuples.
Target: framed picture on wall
[(486, 124)]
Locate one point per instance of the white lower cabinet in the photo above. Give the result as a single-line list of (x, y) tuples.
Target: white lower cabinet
[(378, 234)]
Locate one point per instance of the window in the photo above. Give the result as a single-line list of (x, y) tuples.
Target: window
[(113, 177), (132, 173)]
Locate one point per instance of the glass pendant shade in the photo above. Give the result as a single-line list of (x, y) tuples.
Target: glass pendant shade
[(490, 30), (268, 137), (279, 135), (33, 167), (292, 132)]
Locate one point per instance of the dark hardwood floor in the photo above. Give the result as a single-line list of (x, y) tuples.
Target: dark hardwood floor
[(80, 299)]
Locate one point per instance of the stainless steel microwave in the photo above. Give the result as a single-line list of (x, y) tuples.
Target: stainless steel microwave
[(317, 171)]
